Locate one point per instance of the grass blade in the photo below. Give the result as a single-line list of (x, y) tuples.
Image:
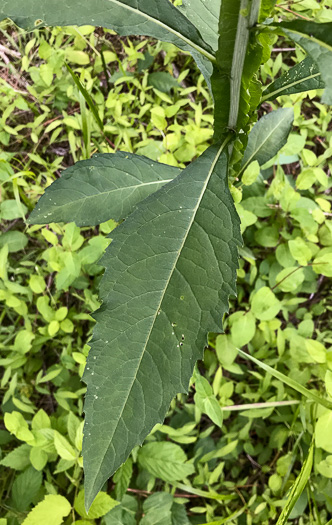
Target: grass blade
[(229, 518), (288, 381), (211, 494), (85, 127), (87, 97), (298, 487)]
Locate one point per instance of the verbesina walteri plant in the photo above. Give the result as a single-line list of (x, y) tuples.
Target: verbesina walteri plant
[(172, 262)]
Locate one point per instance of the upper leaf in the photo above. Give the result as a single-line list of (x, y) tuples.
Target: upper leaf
[(204, 14), (169, 272), (108, 186), (268, 136), (155, 18), (302, 77), (316, 40)]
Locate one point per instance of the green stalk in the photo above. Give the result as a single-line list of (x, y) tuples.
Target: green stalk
[(269, 404), (298, 487), (240, 49), (237, 17)]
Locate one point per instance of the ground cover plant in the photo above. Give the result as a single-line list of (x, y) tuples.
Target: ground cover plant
[(304, 226)]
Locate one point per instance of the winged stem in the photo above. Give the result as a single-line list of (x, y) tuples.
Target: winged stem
[(236, 19)]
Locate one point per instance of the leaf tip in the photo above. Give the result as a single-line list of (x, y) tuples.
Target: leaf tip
[(90, 494)]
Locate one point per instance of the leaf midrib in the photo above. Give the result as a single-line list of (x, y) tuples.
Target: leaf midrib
[(168, 28), (163, 295), (122, 188), (198, 48), (304, 79)]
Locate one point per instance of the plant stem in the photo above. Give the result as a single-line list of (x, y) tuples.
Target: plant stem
[(248, 406), (240, 50)]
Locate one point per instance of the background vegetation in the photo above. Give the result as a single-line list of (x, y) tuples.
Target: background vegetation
[(198, 467)]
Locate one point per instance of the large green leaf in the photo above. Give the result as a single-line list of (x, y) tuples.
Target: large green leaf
[(169, 272), (268, 136), (156, 18), (302, 77), (236, 18), (108, 186), (316, 40)]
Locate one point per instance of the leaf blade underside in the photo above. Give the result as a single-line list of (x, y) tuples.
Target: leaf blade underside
[(156, 311), (155, 18), (107, 186)]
